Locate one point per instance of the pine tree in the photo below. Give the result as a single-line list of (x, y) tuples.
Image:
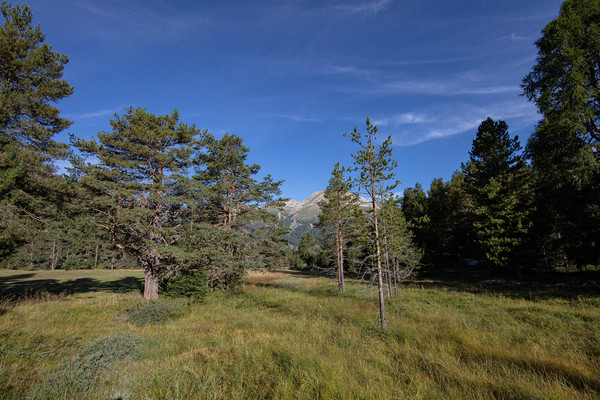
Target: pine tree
[(565, 82), (133, 187), (375, 166), (308, 249), (336, 213), (235, 197), (414, 207), (401, 255), (565, 148), (237, 203), (31, 80), (30, 83), (449, 234), (497, 180)]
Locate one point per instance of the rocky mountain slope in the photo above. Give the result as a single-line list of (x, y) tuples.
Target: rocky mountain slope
[(300, 216)]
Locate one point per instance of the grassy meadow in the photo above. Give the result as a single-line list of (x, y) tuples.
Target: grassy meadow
[(73, 335)]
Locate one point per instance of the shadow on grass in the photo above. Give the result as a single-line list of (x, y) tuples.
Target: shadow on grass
[(19, 286), (532, 286)]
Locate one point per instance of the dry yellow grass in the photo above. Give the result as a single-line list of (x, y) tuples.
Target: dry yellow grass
[(290, 336)]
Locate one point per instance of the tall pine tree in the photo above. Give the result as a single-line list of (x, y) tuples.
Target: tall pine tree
[(336, 214), (375, 168), (498, 182), (30, 83), (134, 186), (565, 148)]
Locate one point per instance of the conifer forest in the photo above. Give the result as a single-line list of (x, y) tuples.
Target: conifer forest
[(200, 223)]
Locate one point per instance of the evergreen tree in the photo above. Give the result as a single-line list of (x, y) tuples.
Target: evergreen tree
[(498, 182), (134, 187), (565, 150), (375, 166), (31, 80), (565, 82), (414, 207), (30, 83), (336, 213), (449, 233), (235, 198), (401, 256), (308, 249), (235, 202)]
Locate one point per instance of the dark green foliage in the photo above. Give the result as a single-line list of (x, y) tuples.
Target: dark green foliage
[(136, 185), (376, 178), (565, 81), (30, 81), (31, 195), (150, 312), (309, 250), (192, 284), (449, 233), (565, 151), (400, 254), (336, 215), (498, 182), (235, 198), (80, 374), (414, 207), (236, 232)]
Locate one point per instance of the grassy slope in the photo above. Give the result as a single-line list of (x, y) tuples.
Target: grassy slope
[(291, 336)]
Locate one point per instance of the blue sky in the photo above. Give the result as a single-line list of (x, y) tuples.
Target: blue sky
[(290, 77)]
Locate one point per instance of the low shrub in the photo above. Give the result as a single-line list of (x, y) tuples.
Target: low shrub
[(192, 284), (150, 312), (78, 375)]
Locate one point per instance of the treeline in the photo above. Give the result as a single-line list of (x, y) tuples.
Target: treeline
[(536, 208), (160, 194), (508, 209), (187, 207)]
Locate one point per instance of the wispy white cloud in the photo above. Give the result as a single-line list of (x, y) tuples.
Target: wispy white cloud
[(96, 114), (370, 6), (349, 70), (515, 37), (297, 118), (403, 119), (412, 128), (442, 88), (139, 19)]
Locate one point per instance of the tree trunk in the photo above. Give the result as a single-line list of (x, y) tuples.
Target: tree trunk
[(96, 258), (31, 255), (53, 260), (342, 281), (340, 258), (150, 285), (378, 252)]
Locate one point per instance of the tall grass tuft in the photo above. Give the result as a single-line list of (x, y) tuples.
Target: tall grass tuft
[(294, 337)]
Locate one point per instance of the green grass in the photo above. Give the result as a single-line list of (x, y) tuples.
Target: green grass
[(290, 336)]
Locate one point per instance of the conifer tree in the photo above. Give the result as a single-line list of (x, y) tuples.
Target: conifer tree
[(375, 166), (497, 180), (565, 82), (236, 203), (336, 213), (30, 83), (134, 187), (308, 249), (234, 196), (449, 233), (565, 148), (401, 256), (414, 207)]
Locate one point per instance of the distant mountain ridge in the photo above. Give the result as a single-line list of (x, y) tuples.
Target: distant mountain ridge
[(300, 216)]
